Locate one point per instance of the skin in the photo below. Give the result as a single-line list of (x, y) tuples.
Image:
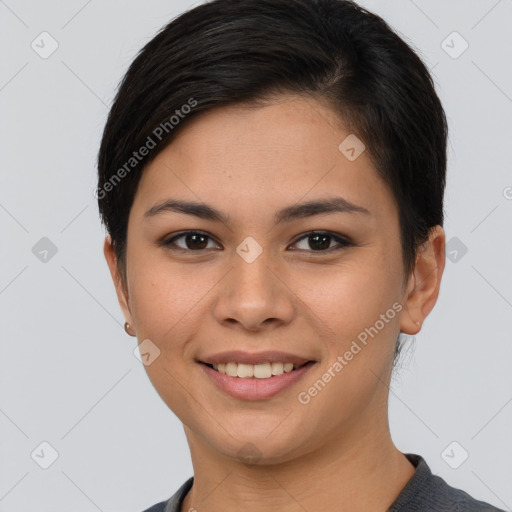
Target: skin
[(249, 163)]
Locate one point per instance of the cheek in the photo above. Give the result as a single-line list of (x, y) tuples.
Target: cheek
[(160, 297), (352, 296), (166, 306), (358, 358), (168, 299)]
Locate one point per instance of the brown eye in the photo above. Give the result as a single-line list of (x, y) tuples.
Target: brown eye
[(196, 241), (321, 242), (192, 241)]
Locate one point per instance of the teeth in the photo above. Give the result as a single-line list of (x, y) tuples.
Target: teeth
[(245, 371), (231, 369), (262, 371), (258, 371)]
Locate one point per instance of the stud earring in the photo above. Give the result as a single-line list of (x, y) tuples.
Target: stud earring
[(127, 329)]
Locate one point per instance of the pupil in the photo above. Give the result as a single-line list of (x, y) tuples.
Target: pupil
[(194, 239), (323, 245)]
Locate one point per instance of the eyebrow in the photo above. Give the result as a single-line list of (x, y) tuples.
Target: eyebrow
[(296, 211)]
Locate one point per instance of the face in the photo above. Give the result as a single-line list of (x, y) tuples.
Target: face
[(269, 280)]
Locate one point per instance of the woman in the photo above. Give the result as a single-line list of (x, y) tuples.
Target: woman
[(271, 176)]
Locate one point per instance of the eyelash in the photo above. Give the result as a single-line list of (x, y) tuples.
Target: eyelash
[(342, 240)]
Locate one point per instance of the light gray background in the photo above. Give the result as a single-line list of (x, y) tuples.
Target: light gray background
[(68, 373)]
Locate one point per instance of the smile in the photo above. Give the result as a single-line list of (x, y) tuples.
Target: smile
[(255, 381)]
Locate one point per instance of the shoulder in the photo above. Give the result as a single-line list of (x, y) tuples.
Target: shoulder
[(426, 492), (159, 507), (173, 504)]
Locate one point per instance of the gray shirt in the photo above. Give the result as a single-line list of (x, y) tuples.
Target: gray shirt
[(424, 492)]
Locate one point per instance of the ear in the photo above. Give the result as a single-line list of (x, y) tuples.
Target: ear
[(121, 289), (424, 282)]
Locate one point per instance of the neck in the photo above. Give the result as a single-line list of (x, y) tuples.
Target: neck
[(358, 472)]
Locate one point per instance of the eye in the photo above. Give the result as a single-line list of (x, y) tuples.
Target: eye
[(194, 241), (320, 241), (197, 241)]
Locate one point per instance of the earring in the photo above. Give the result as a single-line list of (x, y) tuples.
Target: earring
[(127, 329)]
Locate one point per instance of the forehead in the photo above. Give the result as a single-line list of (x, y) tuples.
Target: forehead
[(288, 127), (283, 152)]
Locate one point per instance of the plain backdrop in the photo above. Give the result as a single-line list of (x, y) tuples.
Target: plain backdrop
[(68, 376)]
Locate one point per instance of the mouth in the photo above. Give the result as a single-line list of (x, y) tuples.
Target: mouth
[(260, 381)]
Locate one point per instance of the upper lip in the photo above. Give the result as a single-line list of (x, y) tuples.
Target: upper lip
[(269, 356)]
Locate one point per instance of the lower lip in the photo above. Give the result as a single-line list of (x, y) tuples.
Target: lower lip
[(252, 388)]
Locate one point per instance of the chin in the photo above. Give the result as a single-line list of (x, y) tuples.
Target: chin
[(259, 450)]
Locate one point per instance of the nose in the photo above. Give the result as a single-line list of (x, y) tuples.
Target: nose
[(254, 296)]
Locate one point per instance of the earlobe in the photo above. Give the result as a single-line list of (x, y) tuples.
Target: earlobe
[(121, 291), (424, 283)]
